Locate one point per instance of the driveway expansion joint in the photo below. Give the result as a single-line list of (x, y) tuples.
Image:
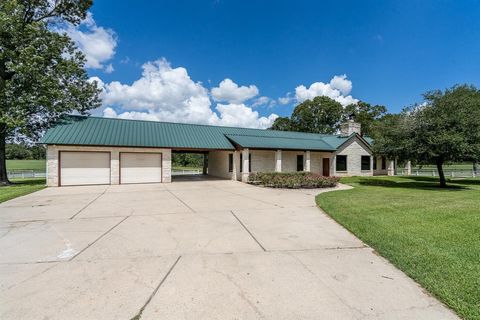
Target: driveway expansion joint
[(246, 229), (104, 234), (179, 199), (139, 314), (88, 204)]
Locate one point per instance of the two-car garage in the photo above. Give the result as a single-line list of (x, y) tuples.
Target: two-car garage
[(95, 167)]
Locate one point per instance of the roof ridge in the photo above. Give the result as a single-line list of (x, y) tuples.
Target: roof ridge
[(270, 137), (179, 123), (200, 125)]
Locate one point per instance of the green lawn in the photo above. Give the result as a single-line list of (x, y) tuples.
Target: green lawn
[(432, 234), (37, 165), (21, 187)]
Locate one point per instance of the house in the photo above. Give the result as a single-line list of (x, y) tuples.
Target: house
[(85, 150)]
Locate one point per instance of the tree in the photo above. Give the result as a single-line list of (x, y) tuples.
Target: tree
[(18, 151), (320, 115), (41, 71), (365, 114), (22, 151), (446, 128), (282, 124)]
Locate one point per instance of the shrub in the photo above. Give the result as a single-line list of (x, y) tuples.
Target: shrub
[(292, 180)]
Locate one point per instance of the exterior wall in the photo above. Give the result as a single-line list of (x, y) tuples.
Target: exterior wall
[(379, 171), (218, 164), (263, 160), (53, 152), (354, 150), (316, 161), (289, 160)]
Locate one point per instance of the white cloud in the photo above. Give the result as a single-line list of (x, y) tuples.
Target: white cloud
[(229, 91), (109, 68), (285, 100), (263, 101), (338, 89), (239, 115), (341, 84), (97, 43), (164, 93)]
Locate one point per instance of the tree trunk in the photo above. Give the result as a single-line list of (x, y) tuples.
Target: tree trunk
[(475, 167), (3, 162), (443, 182)]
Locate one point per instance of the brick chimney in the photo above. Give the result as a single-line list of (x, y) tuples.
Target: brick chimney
[(349, 127)]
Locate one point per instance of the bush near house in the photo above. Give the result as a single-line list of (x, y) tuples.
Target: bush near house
[(292, 180)]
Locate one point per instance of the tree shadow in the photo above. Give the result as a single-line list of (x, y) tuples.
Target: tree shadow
[(420, 183)]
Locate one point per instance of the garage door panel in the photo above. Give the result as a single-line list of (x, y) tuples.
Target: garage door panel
[(140, 167), (84, 168)]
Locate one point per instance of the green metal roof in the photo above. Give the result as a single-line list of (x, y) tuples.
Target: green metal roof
[(292, 143), (97, 131)]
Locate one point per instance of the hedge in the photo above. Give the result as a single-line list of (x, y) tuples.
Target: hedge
[(292, 180)]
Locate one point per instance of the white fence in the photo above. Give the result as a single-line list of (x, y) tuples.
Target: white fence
[(185, 172), (453, 173), (23, 174)]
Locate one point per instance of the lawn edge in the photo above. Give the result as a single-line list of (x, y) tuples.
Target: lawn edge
[(379, 253)]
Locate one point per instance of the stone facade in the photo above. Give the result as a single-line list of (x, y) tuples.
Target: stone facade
[(53, 154), (264, 161), (354, 149), (350, 127)]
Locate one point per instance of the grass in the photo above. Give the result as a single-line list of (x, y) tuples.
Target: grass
[(20, 188), (432, 234), (37, 165)]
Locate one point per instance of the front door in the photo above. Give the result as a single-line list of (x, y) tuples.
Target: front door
[(326, 167)]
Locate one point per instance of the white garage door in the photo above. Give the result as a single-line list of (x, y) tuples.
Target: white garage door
[(84, 168), (140, 167)]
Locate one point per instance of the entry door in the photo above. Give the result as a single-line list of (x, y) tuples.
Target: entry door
[(136, 167), (84, 168), (326, 167)]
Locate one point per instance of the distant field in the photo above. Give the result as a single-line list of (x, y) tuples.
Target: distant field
[(37, 165)]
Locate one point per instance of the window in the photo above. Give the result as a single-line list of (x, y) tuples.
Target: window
[(384, 163), (230, 162), (341, 163), (299, 162), (365, 162), (374, 163)]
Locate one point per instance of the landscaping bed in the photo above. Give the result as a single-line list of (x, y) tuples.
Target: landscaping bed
[(292, 180)]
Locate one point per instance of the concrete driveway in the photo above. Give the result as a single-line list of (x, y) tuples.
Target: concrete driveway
[(210, 249)]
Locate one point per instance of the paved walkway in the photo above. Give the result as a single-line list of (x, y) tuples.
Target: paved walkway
[(211, 249)]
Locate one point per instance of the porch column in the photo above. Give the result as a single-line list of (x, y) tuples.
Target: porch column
[(205, 163), (408, 168), (245, 165), (391, 167), (278, 161), (307, 161), (236, 162)]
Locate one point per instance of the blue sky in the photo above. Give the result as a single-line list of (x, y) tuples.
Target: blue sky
[(391, 51)]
